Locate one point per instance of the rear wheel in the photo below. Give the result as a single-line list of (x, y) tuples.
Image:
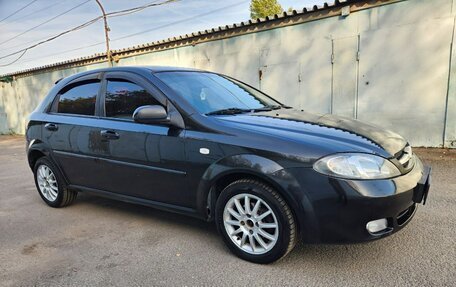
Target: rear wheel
[(255, 222), (51, 185)]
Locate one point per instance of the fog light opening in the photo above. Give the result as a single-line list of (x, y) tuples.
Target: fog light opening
[(376, 226)]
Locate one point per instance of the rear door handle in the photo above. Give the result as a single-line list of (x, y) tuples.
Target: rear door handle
[(109, 135), (51, 127)]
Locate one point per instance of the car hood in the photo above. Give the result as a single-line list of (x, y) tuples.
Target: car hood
[(296, 125)]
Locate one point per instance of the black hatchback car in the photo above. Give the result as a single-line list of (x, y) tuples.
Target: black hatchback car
[(209, 146)]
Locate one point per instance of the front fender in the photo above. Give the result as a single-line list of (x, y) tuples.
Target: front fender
[(247, 162), (268, 170)]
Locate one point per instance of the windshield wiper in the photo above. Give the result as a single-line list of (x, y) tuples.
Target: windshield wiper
[(267, 108), (229, 111), (233, 111)]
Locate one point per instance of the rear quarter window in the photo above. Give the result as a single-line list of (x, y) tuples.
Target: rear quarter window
[(78, 98)]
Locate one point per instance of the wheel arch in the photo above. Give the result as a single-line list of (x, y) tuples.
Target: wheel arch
[(223, 172), (36, 150)]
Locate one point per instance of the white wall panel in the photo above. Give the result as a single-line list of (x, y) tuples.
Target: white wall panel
[(401, 81), (404, 78)]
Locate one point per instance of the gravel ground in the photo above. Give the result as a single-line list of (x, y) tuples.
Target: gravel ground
[(100, 242)]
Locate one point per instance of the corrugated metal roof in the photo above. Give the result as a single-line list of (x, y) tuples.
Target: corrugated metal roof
[(251, 26)]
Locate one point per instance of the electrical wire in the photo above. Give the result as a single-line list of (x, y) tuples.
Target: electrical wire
[(44, 39), (63, 52), (136, 9), (23, 53), (180, 21), (56, 36), (17, 11), (113, 14), (34, 12), (45, 22), (90, 22)]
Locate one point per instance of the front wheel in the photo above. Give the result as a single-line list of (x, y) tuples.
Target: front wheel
[(255, 222)]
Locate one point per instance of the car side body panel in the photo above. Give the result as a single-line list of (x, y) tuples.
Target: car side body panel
[(179, 166)]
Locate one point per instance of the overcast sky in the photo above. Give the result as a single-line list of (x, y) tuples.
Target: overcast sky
[(174, 19)]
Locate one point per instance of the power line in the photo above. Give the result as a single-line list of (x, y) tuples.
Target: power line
[(19, 10), (120, 38), (32, 41), (45, 22), (90, 22), (56, 36), (135, 9), (23, 53), (25, 43), (34, 12), (111, 14), (62, 52), (180, 21)]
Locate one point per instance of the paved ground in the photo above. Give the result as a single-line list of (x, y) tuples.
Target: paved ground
[(102, 242)]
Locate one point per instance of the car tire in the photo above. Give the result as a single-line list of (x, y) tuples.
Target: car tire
[(51, 185), (270, 226)]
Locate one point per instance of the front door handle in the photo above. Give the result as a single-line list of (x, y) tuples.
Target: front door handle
[(51, 127), (109, 135)]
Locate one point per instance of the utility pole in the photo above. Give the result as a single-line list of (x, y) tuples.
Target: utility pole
[(106, 28)]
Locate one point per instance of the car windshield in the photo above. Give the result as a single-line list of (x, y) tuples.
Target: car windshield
[(210, 93)]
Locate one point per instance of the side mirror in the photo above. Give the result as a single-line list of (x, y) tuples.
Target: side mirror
[(150, 114)]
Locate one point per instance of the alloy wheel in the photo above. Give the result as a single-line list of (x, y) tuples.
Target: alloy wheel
[(47, 183), (251, 223)]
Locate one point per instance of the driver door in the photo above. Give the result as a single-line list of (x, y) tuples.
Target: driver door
[(140, 160)]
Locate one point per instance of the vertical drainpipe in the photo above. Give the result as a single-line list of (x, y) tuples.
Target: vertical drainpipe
[(357, 77), (260, 71), (331, 99), (449, 140)]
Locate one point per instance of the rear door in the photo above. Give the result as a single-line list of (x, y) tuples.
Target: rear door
[(71, 130), (141, 160)]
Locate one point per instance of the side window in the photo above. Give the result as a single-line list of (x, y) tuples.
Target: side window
[(123, 97), (79, 98)]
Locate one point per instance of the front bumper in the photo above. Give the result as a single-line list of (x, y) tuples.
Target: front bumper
[(337, 210)]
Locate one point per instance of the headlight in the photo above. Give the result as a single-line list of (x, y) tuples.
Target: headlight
[(356, 166)]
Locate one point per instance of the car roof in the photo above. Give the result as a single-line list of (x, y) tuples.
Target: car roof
[(153, 69), (137, 69)]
